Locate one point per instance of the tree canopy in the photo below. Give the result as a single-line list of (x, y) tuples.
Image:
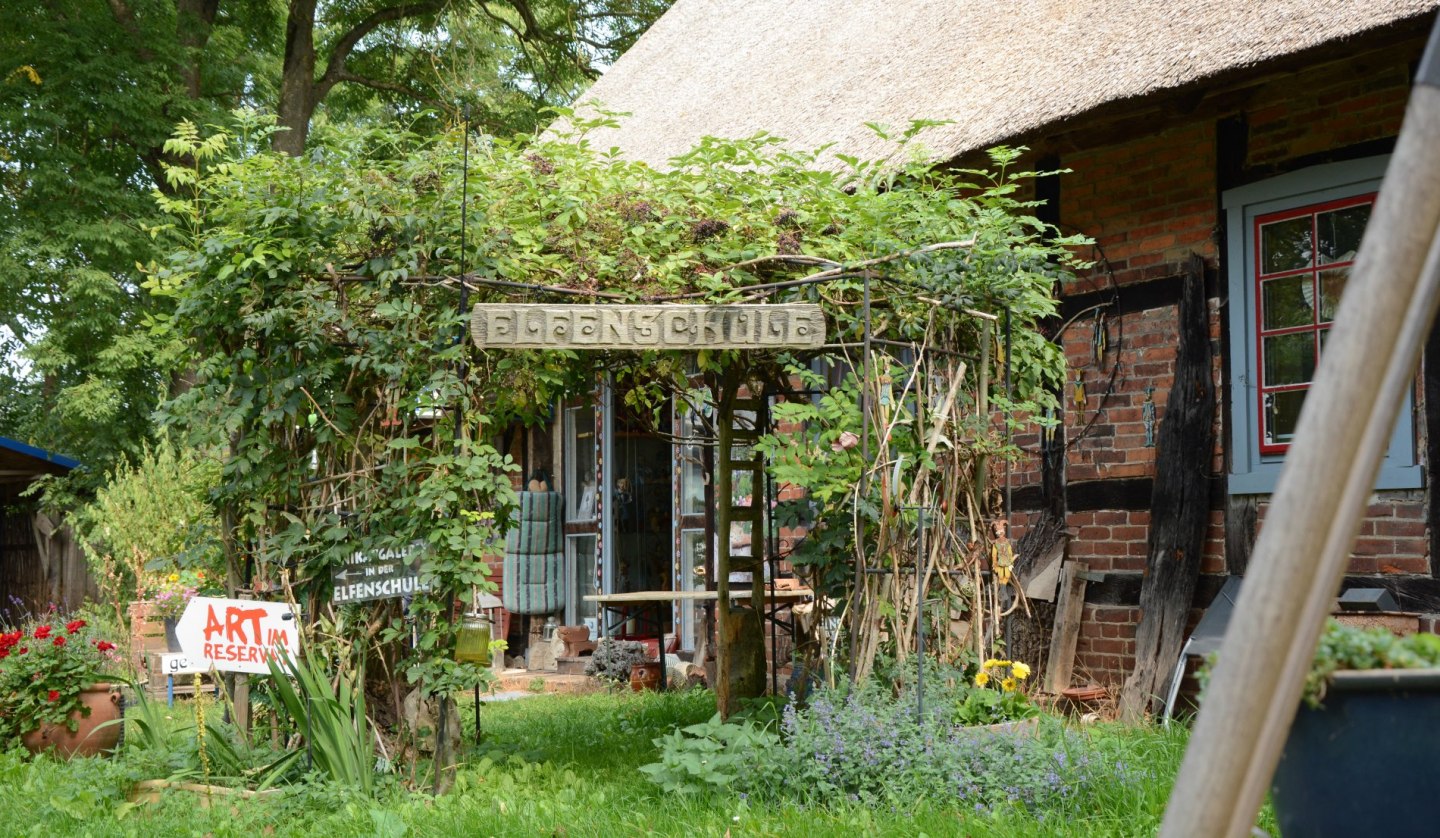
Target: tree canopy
[(90, 91)]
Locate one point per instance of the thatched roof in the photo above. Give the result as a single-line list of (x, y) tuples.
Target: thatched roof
[(815, 71)]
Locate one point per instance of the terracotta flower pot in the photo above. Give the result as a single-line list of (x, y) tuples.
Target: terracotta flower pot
[(86, 740), (645, 676)]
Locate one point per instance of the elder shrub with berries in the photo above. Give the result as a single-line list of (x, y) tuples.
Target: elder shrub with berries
[(44, 665)]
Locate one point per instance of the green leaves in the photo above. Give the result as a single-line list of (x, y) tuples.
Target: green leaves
[(331, 717), (710, 756)]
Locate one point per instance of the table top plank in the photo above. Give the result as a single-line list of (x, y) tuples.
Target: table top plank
[(792, 594)]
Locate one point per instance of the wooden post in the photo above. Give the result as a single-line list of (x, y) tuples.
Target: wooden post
[(1067, 626), (1179, 505), (1304, 547)]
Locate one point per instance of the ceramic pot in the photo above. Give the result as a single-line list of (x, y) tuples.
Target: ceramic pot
[(172, 643), (88, 738), (645, 676)]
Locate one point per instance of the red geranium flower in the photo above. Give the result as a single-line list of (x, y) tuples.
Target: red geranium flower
[(22, 650), (42, 632), (4, 653), (74, 626), (60, 641), (104, 645), (54, 695)]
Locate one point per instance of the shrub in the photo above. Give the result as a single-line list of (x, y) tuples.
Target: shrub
[(870, 747), (612, 659), (712, 756)]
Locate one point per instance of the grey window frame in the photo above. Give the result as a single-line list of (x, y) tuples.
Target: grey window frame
[(1251, 472)]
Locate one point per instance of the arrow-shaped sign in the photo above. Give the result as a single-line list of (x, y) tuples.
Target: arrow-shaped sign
[(237, 635)]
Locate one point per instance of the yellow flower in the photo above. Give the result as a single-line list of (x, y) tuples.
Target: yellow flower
[(982, 678), (174, 577), (1008, 685), (994, 662), (1020, 671)]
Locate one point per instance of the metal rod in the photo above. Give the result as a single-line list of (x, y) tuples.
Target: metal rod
[(772, 540), (921, 559), (460, 372), (1009, 395), (864, 481)]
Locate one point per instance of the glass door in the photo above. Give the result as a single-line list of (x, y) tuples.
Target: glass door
[(692, 564), (581, 485)]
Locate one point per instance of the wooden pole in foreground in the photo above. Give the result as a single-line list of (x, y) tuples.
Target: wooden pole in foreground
[(1301, 556)]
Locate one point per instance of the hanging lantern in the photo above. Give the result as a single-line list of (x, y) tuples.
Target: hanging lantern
[(472, 645)]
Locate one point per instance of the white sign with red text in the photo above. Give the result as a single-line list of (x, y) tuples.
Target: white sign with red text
[(238, 635)]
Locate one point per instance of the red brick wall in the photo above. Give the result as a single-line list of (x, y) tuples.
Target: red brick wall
[(1149, 202)]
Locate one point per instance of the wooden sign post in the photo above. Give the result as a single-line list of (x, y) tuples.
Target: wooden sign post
[(237, 635), (1301, 555)]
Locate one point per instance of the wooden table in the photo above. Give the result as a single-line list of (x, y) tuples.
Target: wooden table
[(632, 603)]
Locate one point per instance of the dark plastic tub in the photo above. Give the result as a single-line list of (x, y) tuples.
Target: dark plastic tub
[(1368, 762)]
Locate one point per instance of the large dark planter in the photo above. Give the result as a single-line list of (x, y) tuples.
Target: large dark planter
[(1364, 764)]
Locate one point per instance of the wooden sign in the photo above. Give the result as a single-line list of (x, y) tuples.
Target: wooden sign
[(534, 326), (381, 575), (237, 635)]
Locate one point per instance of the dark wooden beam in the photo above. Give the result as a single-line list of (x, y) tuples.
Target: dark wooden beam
[(1241, 519), (1420, 594), (1119, 493), (1180, 505)]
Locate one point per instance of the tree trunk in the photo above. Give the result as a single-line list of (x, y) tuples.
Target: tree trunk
[(194, 19), (1180, 505), (297, 80)]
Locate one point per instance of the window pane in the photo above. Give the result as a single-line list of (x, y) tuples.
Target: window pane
[(1332, 285), (1289, 359), (580, 464), (1288, 302), (692, 563), (1282, 414), (582, 564), (1339, 232), (1285, 245)]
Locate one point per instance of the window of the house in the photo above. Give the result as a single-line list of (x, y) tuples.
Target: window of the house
[(1302, 260), (1292, 241)]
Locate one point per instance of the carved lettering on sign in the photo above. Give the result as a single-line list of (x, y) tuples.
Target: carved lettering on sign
[(533, 326)]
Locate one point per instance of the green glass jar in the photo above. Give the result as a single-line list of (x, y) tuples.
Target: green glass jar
[(472, 645)]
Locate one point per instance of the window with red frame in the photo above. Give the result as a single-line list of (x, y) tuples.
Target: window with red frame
[(1303, 261)]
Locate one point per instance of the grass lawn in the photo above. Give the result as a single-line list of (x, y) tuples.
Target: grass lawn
[(566, 766)]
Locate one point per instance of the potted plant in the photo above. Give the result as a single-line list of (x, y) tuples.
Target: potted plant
[(53, 689), (1367, 731), (169, 594), (996, 700)]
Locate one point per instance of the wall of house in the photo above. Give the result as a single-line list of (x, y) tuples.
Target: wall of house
[(1149, 200)]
